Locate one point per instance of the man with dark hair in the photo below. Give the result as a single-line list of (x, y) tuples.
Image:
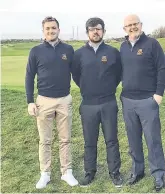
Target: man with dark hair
[(51, 61), (50, 19), (92, 22), (96, 69), (143, 82)]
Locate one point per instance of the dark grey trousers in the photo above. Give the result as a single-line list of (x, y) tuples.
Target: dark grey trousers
[(92, 116), (143, 116)]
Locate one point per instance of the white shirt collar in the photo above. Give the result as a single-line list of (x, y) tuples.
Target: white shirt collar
[(95, 46)]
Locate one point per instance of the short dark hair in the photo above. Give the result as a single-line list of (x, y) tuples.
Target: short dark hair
[(92, 22), (50, 19)]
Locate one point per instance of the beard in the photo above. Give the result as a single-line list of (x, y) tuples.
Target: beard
[(96, 40), (135, 32)]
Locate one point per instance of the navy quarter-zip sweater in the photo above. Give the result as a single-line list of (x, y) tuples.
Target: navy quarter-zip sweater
[(53, 68), (143, 68), (97, 74)]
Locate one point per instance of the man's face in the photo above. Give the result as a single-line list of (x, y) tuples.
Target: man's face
[(96, 33), (132, 26), (51, 31)]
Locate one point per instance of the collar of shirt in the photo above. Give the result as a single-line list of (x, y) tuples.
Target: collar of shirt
[(54, 43), (142, 35), (95, 46), (134, 41)]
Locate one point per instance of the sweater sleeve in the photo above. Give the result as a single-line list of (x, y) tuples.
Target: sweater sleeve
[(118, 67), (31, 71), (71, 54), (159, 60), (76, 68), (121, 48)]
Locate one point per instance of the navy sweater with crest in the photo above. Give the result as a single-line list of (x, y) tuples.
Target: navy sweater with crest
[(52, 65), (97, 73), (143, 68)]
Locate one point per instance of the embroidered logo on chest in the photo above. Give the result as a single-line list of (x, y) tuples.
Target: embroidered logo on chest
[(64, 57), (140, 52), (104, 59)]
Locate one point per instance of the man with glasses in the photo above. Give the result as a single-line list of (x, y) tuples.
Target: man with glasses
[(143, 84), (96, 69)]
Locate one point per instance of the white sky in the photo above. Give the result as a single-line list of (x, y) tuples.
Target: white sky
[(22, 19)]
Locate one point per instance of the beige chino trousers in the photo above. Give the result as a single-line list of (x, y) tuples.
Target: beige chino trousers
[(59, 109)]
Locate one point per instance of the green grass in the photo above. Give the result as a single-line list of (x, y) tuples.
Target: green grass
[(17, 49), (22, 49), (162, 43), (13, 70), (20, 167)]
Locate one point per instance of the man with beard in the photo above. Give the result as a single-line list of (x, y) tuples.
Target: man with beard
[(96, 69), (51, 61), (143, 82)]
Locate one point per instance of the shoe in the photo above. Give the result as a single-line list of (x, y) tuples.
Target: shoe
[(44, 180), (69, 178), (116, 179), (159, 184), (134, 178), (89, 177)]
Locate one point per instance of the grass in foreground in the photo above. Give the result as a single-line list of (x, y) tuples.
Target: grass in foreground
[(20, 167)]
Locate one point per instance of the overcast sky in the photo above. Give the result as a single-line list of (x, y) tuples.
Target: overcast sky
[(22, 19)]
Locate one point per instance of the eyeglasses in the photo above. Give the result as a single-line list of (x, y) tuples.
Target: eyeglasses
[(130, 25), (93, 29)]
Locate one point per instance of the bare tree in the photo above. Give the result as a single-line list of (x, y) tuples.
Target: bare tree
[(159, 33)]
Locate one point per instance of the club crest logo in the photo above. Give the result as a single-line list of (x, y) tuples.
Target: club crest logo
[(140, 52), (104, 59), (64, 57)]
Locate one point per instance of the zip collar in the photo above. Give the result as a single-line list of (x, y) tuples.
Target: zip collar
[(90, 47), (46, 43), (141, 37)]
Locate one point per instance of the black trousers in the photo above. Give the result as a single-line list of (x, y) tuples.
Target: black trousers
[(92, 116), (143, 116)]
